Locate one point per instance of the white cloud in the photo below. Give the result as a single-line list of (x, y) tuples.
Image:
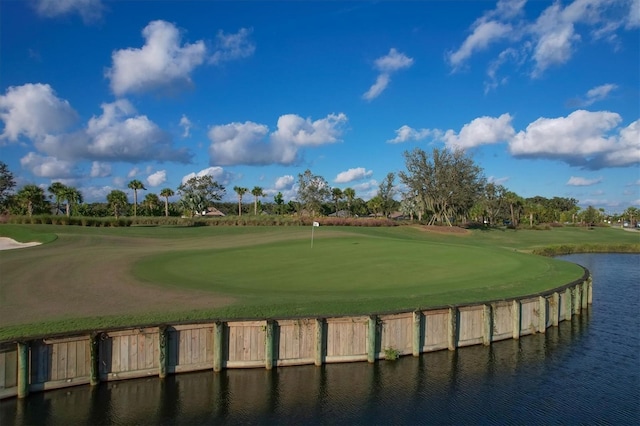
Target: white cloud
[(498, 180), (598, 93), (366, 190), (133, 173), (583, 138), (99, 169), (406, 133), (483, 34), (217, 173), (246, 143), (481, 131), (157, 178), (89, 10), (387, 65), (350, 175), (47, 167), (34, 110), (161, 62), (284, 182), (185, 123), (230, 47), (580, 181)]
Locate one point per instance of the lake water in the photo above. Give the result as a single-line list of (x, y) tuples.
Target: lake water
[(586, 371)]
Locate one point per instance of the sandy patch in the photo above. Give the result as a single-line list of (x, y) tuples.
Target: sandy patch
[(10, 244)]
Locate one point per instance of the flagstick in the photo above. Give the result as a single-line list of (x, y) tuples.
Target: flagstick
[(312, 227)]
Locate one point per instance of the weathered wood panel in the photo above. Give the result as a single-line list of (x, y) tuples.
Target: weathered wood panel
[(347, 339), (563, 306), (60, 362), (529, 316), (190, 347), (470, 325), (502, 321), (396, 332), (129, 353), (8, 370), (436, 330), (246, 343), (295, 341)]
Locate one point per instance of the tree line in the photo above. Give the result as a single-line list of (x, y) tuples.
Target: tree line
[(442, 187)]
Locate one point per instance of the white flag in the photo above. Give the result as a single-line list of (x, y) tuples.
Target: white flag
[(316, 224)]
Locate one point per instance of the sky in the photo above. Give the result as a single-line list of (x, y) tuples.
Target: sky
[(543, 95)]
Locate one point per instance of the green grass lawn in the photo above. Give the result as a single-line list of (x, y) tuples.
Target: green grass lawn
[(87, 278)]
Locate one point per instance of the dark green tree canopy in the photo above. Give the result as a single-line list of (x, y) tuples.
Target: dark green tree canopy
[(313, 191), (199, 192)]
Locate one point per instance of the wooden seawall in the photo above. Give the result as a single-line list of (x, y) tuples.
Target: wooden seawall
[(62, 361)]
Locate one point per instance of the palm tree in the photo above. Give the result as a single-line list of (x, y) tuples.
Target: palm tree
[(337, 195), (135, 185), (151, 201), (31, 196), (73, 197), (257, 192), (240, 191), (350, 195), (57, 191), (117, 200), (166, 193)]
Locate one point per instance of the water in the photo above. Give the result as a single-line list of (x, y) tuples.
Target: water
[(586, 371)]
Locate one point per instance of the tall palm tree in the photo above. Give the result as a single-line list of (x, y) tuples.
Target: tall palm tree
[(135, 185), (57, 190), (337, 195), (73, 197), (257, 192), (240, 191), (350, 195), (166, 193), (31, 196)]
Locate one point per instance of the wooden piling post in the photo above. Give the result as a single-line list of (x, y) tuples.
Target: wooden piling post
[(319, 340), (163, 346), (516, 319), (218, 345), (268, 341), (486, 330), (568, 309), (23, 369), (417, 332), (94, 353), (585, 294), (542, 314), (555, 309), (576, 302), (453, 328), (371, 349), (590, 290)]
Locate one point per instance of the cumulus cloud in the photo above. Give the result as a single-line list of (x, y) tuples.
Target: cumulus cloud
[(34, 111), (583, 138), (481, 131), (406, 133), (388, 64), (580, 181), (351, 175), (247, 143), (185, 123), (550, 39), (217, 173), (161, 62), (230, 47), (284, 182), (100, 169), (157, 178), (47, 167), (89, 10)]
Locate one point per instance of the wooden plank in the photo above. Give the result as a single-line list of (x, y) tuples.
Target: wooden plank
[(53, 372), (71, 359)]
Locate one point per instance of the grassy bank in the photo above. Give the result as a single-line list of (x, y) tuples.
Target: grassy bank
[(94, 278)]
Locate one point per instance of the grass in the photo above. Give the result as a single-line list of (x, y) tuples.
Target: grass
[(95, 278)]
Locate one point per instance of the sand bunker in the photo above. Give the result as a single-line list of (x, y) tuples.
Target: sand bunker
[(9, 244)]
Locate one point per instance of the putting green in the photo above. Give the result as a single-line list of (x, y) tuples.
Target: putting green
[(356, 266)]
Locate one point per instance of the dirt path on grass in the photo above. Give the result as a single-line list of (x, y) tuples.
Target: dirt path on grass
[(85, 276)]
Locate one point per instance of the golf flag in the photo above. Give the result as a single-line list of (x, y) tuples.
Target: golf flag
[(316, 224)]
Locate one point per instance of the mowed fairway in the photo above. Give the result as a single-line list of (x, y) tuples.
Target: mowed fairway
[(88, 278)]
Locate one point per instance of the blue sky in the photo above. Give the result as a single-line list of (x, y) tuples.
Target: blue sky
[(545, 96)]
